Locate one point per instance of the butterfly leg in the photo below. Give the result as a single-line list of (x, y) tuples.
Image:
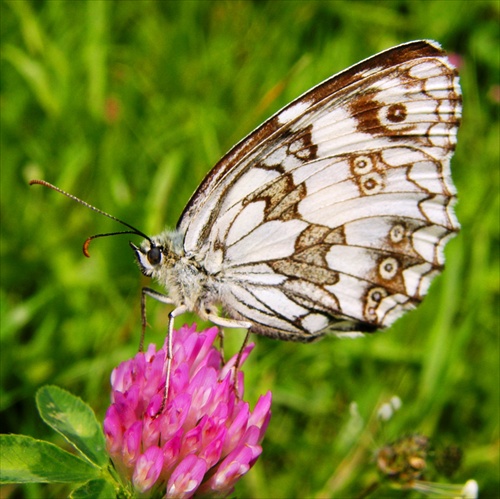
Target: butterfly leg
[(181, 309), (171, 318), (238, 361), (158, 297), (231, 323), (220, 337)]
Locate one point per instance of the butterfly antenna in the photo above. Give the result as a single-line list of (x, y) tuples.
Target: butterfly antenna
[(132, 230), (95, 236)]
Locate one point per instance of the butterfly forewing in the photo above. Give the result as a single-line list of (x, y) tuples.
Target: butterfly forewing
[(333, 214)]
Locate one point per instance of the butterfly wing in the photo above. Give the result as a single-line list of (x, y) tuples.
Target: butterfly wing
[(333, 214)]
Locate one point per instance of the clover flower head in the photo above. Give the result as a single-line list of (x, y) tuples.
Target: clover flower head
[(203, 439)]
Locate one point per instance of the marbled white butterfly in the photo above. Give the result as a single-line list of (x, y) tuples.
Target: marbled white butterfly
[(332, 215)]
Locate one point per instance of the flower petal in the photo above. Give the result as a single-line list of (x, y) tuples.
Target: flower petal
[(148, 469), (186, 478)]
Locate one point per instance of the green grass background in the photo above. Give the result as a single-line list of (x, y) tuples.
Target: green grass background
[(127, 104)]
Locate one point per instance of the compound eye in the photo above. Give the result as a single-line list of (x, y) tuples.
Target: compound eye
[(154, 255)]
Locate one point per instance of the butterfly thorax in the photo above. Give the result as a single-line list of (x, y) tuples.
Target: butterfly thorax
[(163, 258)]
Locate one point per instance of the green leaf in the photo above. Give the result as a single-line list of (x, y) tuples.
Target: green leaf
[(95, 489), (25, 460), (75, 420)]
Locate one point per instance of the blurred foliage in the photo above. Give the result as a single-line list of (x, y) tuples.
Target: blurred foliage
[(127, 104)]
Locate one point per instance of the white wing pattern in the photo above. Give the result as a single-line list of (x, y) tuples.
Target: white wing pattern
[(333, 214)]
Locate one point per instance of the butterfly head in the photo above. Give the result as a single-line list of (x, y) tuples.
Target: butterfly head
[(149, 257), (156, 253)]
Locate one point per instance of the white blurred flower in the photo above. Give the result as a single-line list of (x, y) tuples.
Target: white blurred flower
[(396, 403), (387, 410)]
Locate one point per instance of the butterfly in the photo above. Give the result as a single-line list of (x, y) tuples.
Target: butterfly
[(329, 217)]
